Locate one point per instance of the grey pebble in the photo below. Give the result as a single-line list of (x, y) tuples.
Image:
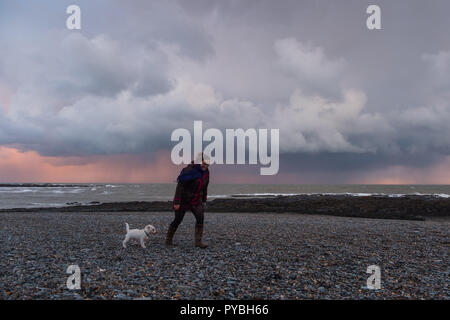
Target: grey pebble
[(286, 256)]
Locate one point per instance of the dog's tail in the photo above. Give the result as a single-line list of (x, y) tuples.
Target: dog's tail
[(127, 226)]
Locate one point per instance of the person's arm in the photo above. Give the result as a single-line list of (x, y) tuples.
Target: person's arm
[(205, 190), (177, 197)]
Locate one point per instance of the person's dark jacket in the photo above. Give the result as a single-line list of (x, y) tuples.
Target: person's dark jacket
[(192, 187)]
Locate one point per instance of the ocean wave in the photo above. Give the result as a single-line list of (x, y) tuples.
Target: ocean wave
[(439, 195), (15, 190), (41, 190), (40, 204), (353, 194), (264, 194), (65, 191)]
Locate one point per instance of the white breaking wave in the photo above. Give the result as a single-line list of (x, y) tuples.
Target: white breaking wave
[(62, 191), (439, 195), (15, 190), (353, 194), (45, 204), (41, 190), (442, 195)]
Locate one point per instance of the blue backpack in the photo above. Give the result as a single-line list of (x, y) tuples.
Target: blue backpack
[(191, 175)]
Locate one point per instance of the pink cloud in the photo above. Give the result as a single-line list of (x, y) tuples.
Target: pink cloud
[(436, 174), (29, 166), (16, 166)]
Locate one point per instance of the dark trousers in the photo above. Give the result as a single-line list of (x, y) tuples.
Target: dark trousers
[(197, 210)]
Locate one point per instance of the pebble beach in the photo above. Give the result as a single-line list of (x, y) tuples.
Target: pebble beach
[(250, 256)]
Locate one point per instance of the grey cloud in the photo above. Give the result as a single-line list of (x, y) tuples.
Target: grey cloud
[(76, 66), (338, 93), (309, 65), (148, 22)]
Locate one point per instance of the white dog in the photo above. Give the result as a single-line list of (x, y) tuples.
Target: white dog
[(138, 234)]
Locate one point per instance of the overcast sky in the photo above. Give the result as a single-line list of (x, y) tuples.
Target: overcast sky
[(353, 105)]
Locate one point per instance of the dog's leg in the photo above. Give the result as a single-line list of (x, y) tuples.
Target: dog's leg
[(124, 243), (142, 243)]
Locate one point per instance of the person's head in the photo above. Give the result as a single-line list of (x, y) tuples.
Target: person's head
[(203, 160)]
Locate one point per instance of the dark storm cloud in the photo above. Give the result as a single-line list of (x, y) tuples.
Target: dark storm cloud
[(343, 97)]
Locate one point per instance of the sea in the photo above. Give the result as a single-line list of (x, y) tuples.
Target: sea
[(57, 194)]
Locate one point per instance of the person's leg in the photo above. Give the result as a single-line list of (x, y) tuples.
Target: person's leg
[(179, 215), (199, 213)]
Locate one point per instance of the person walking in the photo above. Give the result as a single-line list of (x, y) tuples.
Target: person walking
[(191, 195)]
